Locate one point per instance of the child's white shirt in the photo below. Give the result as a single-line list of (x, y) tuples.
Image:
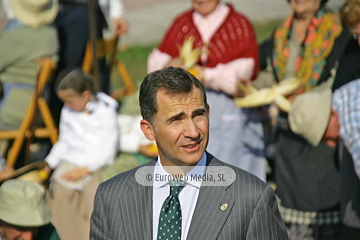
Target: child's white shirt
[(87, 139)]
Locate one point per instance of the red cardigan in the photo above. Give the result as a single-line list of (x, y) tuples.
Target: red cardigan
[(234, 39)]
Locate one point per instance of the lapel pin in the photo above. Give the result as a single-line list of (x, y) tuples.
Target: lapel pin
[(224, 206)]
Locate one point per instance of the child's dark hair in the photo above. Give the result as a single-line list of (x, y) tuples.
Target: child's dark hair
[(76, 79)]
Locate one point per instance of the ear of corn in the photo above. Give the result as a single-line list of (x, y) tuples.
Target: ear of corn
[(194, 72), (282, 103), (287, 86), (269, 95), (259, 98), (187, 46), (192, 58), (245, 88), (153, 148), (188, 55)]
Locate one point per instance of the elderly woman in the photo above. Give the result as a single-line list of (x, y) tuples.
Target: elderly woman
[(27, 38), (306, 45), (229, 55)]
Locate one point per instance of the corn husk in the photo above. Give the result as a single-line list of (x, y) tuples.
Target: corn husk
[(282, 103), (192, 58), (265, 96), (189, 56), (247, 89)]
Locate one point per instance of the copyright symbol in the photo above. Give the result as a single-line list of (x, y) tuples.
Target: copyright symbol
[(149, 177)]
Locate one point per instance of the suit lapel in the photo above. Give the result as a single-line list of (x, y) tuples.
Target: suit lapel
[(138, 210), (212, 209)]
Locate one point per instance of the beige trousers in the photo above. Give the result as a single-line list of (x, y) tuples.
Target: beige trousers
[(71, 209)]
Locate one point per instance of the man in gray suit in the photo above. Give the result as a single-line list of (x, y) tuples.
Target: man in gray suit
[(175, 114)]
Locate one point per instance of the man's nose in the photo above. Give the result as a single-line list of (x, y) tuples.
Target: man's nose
[(191, 130)]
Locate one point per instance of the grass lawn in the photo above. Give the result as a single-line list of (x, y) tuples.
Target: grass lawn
[(135, 57)]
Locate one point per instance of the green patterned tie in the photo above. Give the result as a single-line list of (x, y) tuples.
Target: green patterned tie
[(170, 215)]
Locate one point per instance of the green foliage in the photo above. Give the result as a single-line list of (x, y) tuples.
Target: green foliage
[(135, 60)]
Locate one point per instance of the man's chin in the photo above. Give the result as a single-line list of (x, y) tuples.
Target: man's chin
[(191, 160)]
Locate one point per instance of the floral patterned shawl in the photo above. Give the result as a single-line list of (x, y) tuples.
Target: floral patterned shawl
[(321, 33)]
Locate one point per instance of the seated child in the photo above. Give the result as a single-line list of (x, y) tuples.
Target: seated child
[(88, 141)]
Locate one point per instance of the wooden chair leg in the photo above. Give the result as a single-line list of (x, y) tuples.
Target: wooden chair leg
[(19, 139), (48, 120), (87, 62), (130, 88)]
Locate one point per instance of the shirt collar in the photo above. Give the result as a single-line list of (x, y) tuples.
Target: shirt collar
[(208, 25), (198, 170)]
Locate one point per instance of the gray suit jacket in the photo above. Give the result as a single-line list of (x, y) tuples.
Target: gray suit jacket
[(123, 210)]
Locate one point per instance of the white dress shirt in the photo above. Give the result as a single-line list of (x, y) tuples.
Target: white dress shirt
[(87, 139), (187, 197)]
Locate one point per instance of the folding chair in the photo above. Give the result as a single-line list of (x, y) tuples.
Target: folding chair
[(107, 48), (27, 130)]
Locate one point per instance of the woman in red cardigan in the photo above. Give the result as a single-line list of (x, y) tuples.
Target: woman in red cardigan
[(229, 56)]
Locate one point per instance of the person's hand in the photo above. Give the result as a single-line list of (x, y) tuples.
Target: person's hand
[(75, 174), (174, 62), (47, 170), (6, 172), (332, 132), (148, 150), (120, 26)]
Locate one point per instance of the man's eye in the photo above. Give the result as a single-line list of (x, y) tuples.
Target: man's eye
[(199, 114)]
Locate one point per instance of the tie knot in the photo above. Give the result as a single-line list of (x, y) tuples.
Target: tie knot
[(175, 187)]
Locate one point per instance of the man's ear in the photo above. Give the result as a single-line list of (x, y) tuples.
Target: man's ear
[(147, 129), (208, 109)]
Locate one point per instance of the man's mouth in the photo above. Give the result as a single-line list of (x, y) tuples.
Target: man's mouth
[(192, 145)]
